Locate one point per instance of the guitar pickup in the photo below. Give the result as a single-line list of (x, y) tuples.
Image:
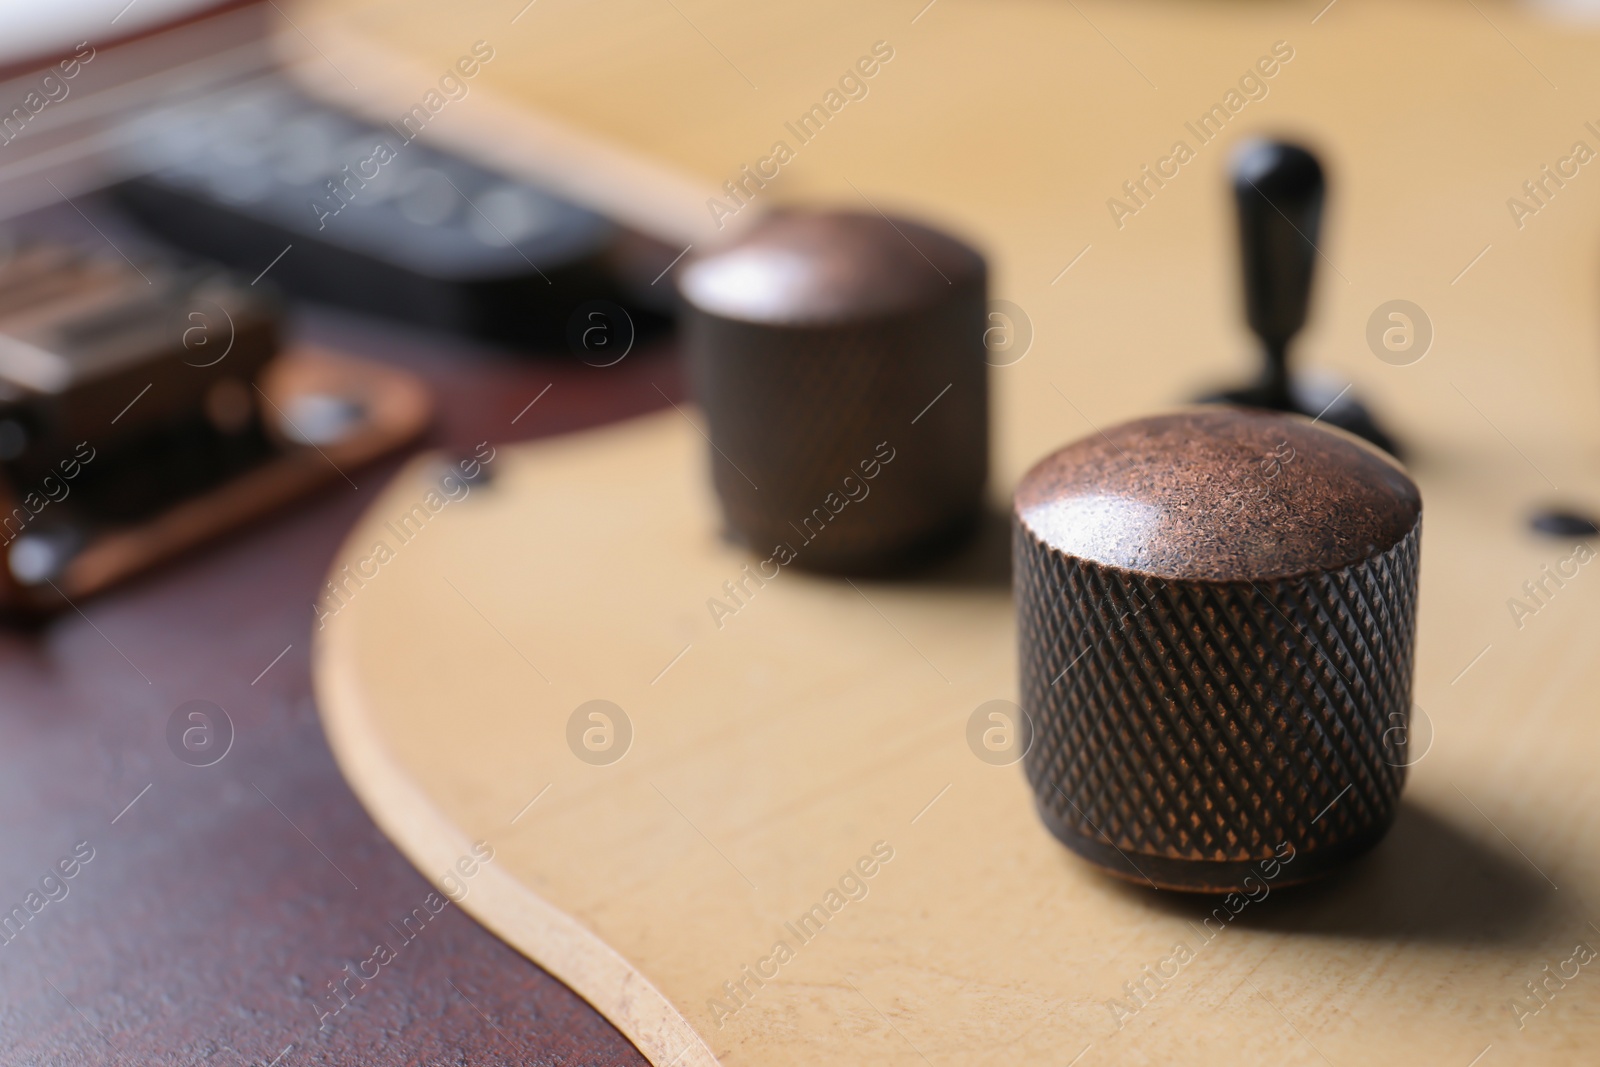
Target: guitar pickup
[(145, 409)]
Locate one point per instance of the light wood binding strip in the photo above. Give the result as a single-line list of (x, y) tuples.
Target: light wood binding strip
[(499, 901)]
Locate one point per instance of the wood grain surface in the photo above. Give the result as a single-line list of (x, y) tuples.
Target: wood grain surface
[(216, 907), (770, 754), (821, 719)]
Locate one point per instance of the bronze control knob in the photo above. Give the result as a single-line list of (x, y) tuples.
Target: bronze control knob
[(1217, 611), (839, 359)]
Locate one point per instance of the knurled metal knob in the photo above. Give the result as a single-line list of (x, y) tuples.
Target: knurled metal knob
[(839, 359), (1217, 614)]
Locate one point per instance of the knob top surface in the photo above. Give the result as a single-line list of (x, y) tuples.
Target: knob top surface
[(1219, 494), (807, 268), (1277, 170)]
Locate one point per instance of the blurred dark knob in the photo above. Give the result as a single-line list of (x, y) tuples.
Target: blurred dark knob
[(840, 361)]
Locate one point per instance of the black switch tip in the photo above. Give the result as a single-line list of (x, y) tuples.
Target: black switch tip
[(1279, 189)]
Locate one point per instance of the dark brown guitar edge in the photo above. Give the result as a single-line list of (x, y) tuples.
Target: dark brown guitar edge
[(220, 901)]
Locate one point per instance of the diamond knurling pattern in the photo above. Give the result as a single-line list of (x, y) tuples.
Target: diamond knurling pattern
[(1211, 721)]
